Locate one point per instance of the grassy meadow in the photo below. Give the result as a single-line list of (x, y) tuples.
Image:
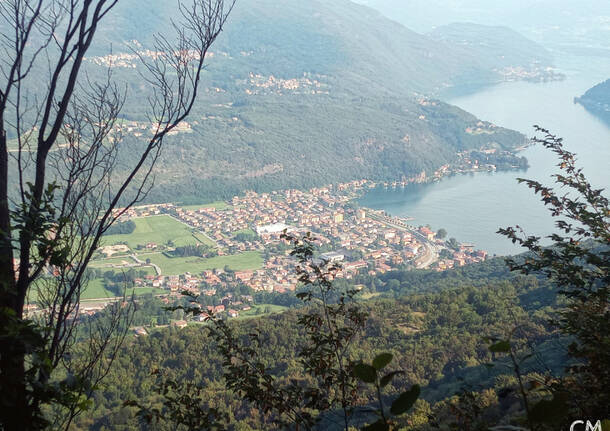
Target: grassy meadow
[(194, 265), (219, 205), (159, 230)]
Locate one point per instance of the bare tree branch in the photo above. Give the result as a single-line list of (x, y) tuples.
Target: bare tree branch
[(65, 139)]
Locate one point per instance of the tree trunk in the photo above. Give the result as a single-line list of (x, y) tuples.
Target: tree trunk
[(7, 273), (14, 410)]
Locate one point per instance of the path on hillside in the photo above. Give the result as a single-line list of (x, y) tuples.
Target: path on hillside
[(142, 262), (138, 263)]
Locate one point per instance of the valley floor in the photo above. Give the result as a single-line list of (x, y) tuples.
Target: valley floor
[(237, 244)]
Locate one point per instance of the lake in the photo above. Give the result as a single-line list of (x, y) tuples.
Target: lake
[(472, 207)]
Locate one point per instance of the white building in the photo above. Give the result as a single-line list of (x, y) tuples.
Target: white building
[(273, 228)]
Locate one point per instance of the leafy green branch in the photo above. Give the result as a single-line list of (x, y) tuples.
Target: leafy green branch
[(370, 374)]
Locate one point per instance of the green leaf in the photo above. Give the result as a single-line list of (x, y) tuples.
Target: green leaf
[(365, 372), (500, 347), (380, 425), (388, 378), (85, 404), (382, 360), (405, 400)]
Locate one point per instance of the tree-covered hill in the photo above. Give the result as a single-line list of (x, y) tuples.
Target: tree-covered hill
[(498, 48), (597, 100), (436, 337), (358, 47), (295, 141), (304, 93)]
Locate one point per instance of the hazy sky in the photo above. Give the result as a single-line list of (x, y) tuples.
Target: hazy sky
[(555, 23)]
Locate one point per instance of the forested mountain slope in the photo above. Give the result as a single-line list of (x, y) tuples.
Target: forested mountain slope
[(597, 100), (303, 93), (436, 337), (496, 47), (362, 51)]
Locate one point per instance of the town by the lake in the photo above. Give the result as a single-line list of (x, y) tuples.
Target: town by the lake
[(226, 245)]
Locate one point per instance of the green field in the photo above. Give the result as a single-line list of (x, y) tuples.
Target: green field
[(95, 290), (148, 270), (159, 230), (256, 311), (262, 309), (219, 205), (104, 265), (204, 239), (194, 265), (97, 263), (368, 295), (145, 290), (247, 231)]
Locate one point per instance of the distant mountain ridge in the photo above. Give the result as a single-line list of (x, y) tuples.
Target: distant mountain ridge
[(564, 25), (500, 45), (306, 93), (343, 40)]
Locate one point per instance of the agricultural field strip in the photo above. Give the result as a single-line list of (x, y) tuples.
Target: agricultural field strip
[(213, 243), (159, 229), (193, 264)]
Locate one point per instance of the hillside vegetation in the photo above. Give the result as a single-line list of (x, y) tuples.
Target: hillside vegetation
[(597, 100), (362, 51), (437, 338), (299, 94)]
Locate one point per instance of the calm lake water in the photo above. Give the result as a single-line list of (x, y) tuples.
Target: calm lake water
[(472, 207)]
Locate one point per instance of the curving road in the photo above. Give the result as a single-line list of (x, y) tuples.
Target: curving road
[(430, 254), (157, 269)]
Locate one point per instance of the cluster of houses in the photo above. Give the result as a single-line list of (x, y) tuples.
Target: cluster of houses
[(259, 84), (464, 256), (139, 129), (277, 275), (130, 60), (536, 73), (360, 240)]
